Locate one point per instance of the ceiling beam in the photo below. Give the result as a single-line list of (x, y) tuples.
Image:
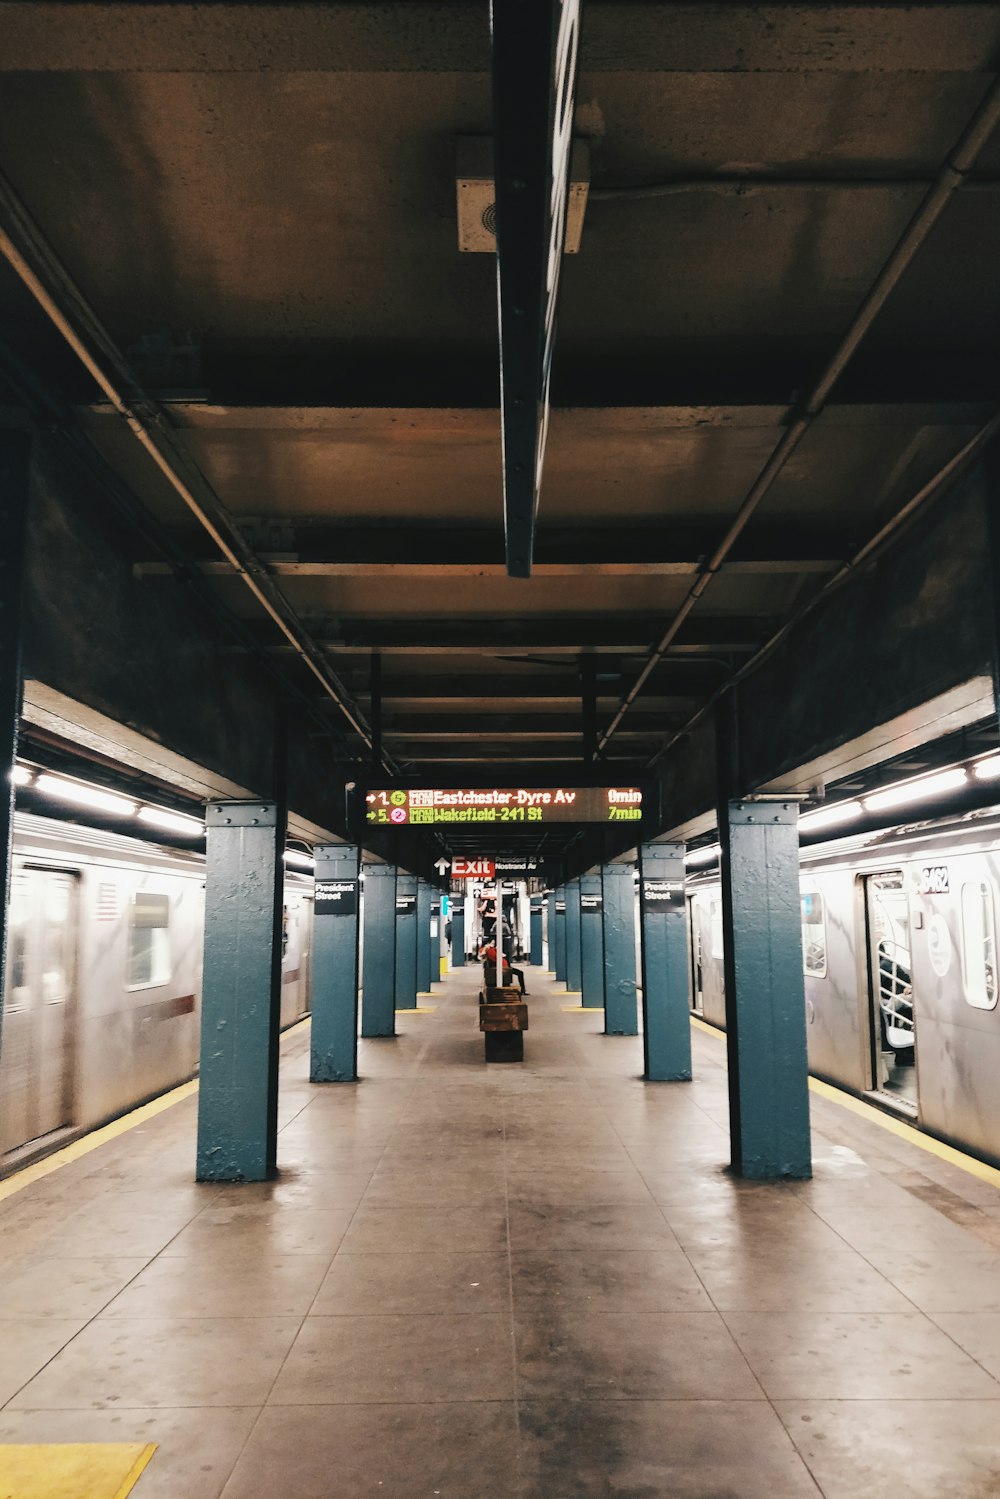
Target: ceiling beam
[(435, 36), (318, 549), (488, 636)]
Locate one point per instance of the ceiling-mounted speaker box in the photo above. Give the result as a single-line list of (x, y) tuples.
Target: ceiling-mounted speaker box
[(476, 194)]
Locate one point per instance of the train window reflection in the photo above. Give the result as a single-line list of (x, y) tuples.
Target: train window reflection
[(813, 916), (979, 946), (148, 940)]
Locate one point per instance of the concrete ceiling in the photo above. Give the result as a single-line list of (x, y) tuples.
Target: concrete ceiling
[(270, 190)]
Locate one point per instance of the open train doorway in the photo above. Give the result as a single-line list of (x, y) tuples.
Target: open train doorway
[(890, 990)]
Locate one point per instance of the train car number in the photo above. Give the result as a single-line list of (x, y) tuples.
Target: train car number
[(933, 880)]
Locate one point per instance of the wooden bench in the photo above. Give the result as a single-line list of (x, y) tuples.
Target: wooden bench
[(503, 1018)]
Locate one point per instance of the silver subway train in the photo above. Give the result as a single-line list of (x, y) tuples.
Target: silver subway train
[(102, 996), (899, 952)]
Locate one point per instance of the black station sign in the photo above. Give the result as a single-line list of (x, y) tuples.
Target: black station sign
[(660, 897), (406, 905), (591, 904), (425, 807), (336, 898)]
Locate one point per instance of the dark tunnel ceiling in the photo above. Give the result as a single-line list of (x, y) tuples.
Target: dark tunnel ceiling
[(273, 188)]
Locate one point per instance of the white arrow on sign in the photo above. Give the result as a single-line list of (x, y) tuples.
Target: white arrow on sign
[(442, 866)]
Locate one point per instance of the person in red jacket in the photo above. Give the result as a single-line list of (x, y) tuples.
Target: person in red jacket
[(489, 957)]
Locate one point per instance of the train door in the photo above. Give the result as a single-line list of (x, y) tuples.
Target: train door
[(890, 989), (36, 1054), (694, 950)]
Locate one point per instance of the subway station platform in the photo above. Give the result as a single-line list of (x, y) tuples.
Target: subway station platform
[(531, 1281)]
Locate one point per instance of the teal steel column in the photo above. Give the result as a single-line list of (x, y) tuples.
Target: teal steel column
[(765, 990), (591, 942), (423, 936), (621, 1017), (378, 977), (458, 931), (666, 976), (550, 930), (334, 1030), (406, 942), (15, 488), (573, 973), (535, 929), (558, 957), (435, 936), (241, 992)]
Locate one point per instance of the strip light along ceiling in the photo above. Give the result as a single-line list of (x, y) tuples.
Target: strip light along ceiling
[(915, 791), (827, 817), (298, 860), (76, 794)]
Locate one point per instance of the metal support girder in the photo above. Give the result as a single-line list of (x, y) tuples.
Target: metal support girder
[(535, 919), (534, 85), (666, 976), (406, 942), (765, 990), (15, 486), (572, 922), (378, 979), (336, 907), (458, 932), (591, 942), (423, 936), (618, 941), (557, 936), (241, 992)]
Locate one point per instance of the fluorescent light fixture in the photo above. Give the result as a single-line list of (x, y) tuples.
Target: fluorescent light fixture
[(79, 795), (987, 770), (915, 791), (703, 855), (20, 776), (299, 861), (827, 817), (171, 822)]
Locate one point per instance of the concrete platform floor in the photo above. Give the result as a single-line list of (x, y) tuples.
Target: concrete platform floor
[(534, 1281)]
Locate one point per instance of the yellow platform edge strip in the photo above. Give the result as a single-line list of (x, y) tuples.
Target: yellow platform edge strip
[(83, 1470), (885, 1121), (419, 1010), (106, 1132)]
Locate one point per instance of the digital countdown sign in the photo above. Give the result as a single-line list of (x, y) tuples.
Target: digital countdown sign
[(414, 807)]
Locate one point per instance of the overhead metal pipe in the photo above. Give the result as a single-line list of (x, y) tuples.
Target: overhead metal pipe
[(802, 415), (31, 258), (760, 184)]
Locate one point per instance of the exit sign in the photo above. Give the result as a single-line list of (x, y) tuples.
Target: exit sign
[(472, 869)]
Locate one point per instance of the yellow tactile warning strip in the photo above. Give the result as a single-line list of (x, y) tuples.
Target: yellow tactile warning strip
[(99, 1137), (72, 1470), (419, 1010), (877, 1116)]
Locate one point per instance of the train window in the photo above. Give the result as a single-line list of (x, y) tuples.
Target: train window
[(716, 941), (148, 940), (813, 917), (979, 945)]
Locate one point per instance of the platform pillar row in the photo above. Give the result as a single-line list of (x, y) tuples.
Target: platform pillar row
[(15, 487), (621, 1017), (535, 917), (591, 941), (378, 970), (573, 957), (666, 975), (334, 1032), (241, 992), (435, 937), (765, 990), (406, 941)]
